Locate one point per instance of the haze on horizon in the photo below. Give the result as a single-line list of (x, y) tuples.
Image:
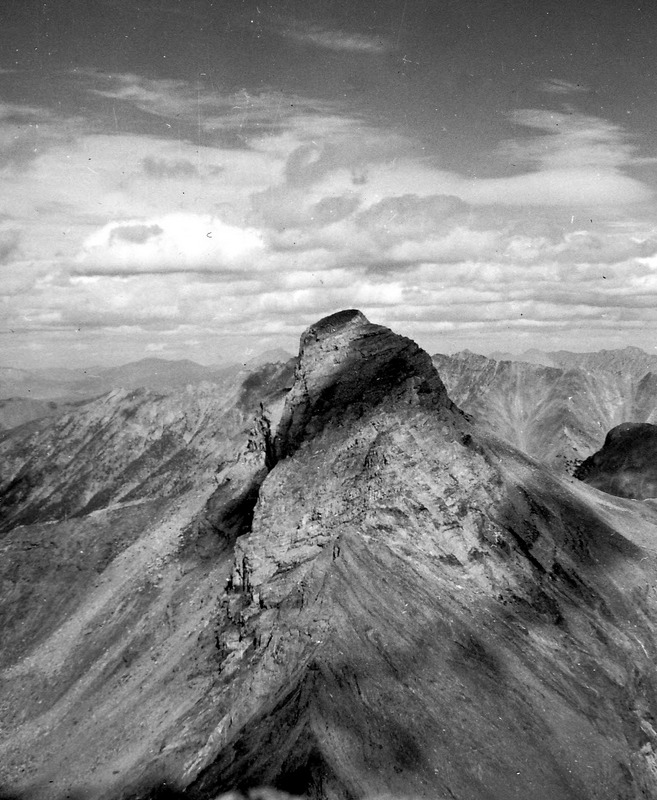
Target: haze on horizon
[(203, 179)]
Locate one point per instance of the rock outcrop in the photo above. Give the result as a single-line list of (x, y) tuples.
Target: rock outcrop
[(626, 465), (346, 366)]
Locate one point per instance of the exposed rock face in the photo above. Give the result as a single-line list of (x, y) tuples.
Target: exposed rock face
[(626, 465), (411, 607), (346, 365), (557, 411), (416, 610)]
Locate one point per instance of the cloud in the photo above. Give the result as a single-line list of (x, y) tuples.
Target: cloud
[(283, 208), (569, 188), (558, 86), (338, 41), (164, 168), (135, 234), (579, 163), (192, 108), (569, 140), (9, 245), (173, 243), (410, 215), (310, 208), (27, 132), (162, 97), (310, 33), (460, 244), (23, 114), (332, 209)]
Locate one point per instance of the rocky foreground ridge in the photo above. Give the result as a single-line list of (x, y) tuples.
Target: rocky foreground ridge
[(374, 597)]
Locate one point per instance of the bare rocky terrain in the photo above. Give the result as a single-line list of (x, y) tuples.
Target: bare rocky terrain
[(557, 406), (333, 582), (626, 465)]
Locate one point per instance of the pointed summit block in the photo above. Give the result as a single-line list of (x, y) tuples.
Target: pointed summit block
[(338, 323), (347, 365)]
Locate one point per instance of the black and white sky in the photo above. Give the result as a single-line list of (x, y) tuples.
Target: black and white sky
[(205, 178)]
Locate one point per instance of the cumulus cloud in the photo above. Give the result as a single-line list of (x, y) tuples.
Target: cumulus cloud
[(313, 209), (173, 243), (409, 215)]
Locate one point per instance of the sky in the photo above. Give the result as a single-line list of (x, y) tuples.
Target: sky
[(205, 178)]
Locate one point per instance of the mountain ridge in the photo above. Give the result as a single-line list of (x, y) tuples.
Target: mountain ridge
[(560, 413), (267, 557), (369, 594)]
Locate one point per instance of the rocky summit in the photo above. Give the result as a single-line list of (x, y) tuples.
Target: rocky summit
[(626, 465), (373, 596)]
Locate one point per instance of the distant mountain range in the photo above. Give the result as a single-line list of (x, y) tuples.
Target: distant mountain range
[(31, 394), (559, 413), (149, 373)]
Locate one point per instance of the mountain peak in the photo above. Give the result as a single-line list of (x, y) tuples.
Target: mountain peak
[(347, 365), (339, 323), (625, 465)]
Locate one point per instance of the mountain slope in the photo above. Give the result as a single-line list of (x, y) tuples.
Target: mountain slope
[(126, 446), (423, 617), (106, 615), (16, 411), (559, 414), (373, 596)]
